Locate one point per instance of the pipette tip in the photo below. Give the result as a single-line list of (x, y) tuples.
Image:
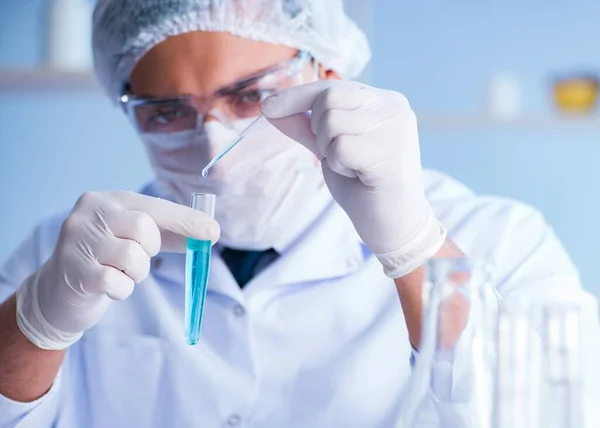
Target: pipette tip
[(234, 143)]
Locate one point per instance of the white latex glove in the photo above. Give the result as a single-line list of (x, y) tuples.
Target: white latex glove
[(104, 248), (368, 144)]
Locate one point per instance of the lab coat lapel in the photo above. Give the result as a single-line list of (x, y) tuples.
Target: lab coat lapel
[(329, 248)]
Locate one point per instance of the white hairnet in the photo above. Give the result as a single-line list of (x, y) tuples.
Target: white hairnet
[(124, 30)]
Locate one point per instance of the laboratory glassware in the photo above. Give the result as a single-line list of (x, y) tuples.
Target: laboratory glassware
[(539, 378), (516, 395), (562, 398), (197, 267), (456, 355)]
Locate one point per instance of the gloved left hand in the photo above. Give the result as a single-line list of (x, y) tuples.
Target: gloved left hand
[(367, 141)]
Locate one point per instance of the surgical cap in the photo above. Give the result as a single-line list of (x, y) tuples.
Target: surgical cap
[(125, 30)]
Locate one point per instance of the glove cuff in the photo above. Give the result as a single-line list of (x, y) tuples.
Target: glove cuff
[(32, 323), (423, 245)]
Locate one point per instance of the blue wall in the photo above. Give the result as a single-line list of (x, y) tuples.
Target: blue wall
[(55, 145), (441, 56)]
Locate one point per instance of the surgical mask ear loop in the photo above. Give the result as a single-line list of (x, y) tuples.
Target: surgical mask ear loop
[(315, 70), (315, 73)]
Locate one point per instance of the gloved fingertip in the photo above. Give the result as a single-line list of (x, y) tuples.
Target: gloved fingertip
[(214, 232), (269, 105), (154, 252), (113, 296)]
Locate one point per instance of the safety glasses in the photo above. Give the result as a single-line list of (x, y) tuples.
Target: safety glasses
[(241, 100)]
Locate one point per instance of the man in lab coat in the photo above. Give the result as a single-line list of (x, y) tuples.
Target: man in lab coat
[(325, 220)]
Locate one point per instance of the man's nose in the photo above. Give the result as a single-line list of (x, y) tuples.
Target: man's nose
[(217, 134), (207, 109), (210, 117)]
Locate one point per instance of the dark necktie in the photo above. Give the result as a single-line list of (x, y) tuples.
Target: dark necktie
[(245, 265)]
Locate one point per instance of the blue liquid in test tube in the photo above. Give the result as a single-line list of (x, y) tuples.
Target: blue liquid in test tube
[(197, 266)]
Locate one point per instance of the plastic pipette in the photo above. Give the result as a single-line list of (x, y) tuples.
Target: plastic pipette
[(231, 145)]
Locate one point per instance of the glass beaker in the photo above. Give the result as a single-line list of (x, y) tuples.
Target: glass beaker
[(197, 266), (453, 374)]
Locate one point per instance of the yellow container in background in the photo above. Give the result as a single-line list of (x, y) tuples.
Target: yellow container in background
[(576, 94)]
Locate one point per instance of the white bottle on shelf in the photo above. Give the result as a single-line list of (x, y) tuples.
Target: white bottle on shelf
[(505, 101), (68, 37)]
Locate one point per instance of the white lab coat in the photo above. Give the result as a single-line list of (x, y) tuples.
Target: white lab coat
[(318, 339)]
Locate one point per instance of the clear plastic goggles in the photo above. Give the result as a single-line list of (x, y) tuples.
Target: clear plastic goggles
[(241, 100)]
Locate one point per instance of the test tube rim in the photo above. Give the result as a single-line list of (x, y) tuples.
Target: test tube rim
[(206, 197)]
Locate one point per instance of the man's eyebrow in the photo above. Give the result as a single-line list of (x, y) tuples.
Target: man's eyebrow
[(245, 82)]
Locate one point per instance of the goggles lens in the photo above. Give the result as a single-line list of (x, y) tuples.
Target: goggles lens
[(240, 101)]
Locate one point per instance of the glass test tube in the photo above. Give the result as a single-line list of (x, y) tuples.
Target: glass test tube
[(197, 265), (538, 374), (516, 400), (562, 401)]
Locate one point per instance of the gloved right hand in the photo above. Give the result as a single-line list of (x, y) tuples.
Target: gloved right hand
[(104, 248)]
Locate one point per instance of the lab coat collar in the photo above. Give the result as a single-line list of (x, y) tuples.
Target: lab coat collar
[(327, 248), (320, 201), (297, 227), (170, 267)]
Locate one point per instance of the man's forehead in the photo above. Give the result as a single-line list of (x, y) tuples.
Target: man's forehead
[(202, 63)]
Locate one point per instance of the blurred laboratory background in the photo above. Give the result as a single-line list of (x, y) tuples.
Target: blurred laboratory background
[(505, 95)]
